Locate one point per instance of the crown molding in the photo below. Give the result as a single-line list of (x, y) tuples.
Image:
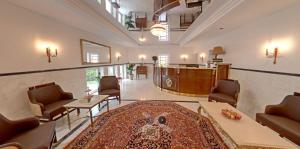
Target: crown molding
[(199, 25)]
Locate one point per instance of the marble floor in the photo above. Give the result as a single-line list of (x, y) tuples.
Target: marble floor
[(131, 91)]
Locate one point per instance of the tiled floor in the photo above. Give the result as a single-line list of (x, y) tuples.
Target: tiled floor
[(130, 90)]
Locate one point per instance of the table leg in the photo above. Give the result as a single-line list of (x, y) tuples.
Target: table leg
[(91, 117), (68, 116), (200, 110), (107, 104)]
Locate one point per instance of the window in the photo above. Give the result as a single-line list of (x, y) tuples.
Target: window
[(120, 17), (165, 36), (111, 71), (123, 20), (101, 72), (99, 1), (114, 12), (92, 57), (91, 76), (108, 6), (163, 60)]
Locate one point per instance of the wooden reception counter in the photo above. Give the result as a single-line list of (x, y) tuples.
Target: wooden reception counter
[(185, 80)]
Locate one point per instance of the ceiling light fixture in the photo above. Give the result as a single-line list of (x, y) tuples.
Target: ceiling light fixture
[(158, 29)]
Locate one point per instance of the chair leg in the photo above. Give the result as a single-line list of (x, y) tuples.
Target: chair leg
[(54, 137), (119, 98), (78, 111)]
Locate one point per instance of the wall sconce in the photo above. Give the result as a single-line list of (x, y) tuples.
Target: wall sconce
[(272, 54), (184, 57), (118, 55), (142, 57), (51, 53), (202, 56)]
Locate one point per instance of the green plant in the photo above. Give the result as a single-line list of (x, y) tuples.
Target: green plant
[(128, 22), (91, 75), (130, 68)]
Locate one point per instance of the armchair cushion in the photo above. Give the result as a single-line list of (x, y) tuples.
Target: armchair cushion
[(56, 108), (38, 138), (228, 87), (10, 128), (111, 92), (26, 133), (219, 97), (284, 126)]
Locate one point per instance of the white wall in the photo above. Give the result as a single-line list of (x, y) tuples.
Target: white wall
[(21, 32), (245, 48), (173, 51)]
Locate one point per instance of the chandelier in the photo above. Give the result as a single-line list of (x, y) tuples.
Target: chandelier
[(158, 29)]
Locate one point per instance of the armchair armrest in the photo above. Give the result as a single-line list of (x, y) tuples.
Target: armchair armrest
[(37, 108), (25, 124), (66, 95), (11, 145), (214, 90), (274, 109)]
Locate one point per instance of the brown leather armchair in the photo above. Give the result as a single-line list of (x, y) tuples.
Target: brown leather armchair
[(109, 85), (47, 101), (283, 118), (26, 134), (226, 91)]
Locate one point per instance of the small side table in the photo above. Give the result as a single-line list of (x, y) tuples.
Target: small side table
[(79, 104)]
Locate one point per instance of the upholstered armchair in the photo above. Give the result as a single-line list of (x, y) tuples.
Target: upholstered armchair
[(47, 101), (226, 91), (283, 118), (109, 85), (26, 134)]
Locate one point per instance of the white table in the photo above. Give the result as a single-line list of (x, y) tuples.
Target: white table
[(245, 133), (79, 104)]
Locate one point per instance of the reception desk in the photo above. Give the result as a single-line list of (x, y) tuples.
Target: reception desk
[(186, 80)]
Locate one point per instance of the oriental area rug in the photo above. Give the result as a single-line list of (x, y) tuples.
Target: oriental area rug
[(149, 125)]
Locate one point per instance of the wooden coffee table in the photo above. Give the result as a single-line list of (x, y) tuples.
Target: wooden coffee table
[(79, 104), (244, 133)]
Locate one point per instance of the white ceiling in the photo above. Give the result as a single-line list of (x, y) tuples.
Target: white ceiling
[(246, 12), (88, 16)]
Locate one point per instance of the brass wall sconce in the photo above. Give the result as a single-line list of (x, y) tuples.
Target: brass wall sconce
[(50, 54), (202, 56), (184, 57), (118, 55), (142, 57), (273, 54)]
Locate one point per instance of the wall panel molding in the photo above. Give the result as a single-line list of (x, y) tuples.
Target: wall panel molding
[(268, 72)]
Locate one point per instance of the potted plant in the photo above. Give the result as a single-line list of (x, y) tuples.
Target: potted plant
[(130, 70), (129, 22), (154, 58)]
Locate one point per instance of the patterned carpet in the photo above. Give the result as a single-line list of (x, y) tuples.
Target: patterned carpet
[(149, 124)]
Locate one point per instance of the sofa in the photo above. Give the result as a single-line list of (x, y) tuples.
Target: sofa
[(225, 91), (26, 134), (283, 118), (47, 101)]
